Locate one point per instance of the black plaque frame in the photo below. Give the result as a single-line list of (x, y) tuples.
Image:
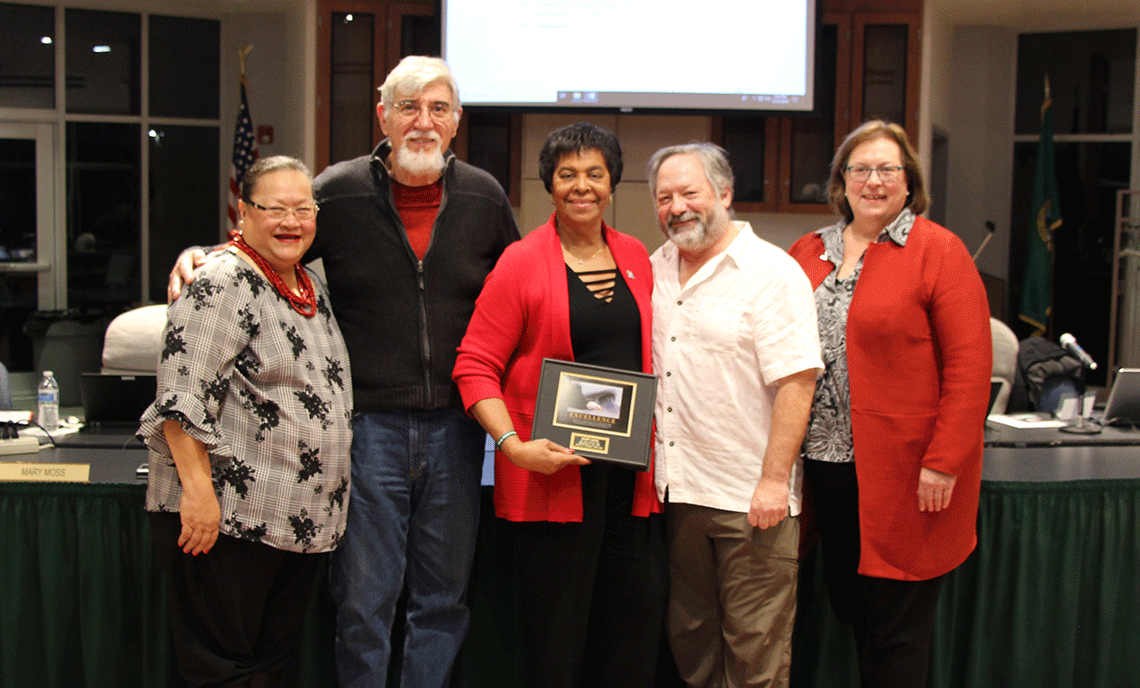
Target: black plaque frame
[(603, 414)]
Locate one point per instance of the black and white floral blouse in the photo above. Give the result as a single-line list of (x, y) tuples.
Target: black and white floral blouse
[(829, 435), (268, 391)]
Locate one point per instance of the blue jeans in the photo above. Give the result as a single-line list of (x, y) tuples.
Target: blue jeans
[(412, 517)]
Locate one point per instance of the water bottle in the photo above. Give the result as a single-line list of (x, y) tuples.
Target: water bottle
[(48, 416)]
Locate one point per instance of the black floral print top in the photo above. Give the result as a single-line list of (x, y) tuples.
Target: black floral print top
[(269, 393), (829, 435)]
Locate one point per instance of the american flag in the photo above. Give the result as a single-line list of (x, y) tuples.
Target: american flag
[(244, 155)]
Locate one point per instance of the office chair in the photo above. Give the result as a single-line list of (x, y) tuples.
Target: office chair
[(1004, 371)]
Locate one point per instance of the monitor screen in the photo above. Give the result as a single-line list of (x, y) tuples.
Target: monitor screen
[(632, 54)]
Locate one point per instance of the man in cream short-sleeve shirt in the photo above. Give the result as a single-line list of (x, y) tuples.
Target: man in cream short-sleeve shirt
[(736, 352)]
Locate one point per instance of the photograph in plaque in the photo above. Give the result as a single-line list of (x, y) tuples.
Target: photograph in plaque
[(603, 414)]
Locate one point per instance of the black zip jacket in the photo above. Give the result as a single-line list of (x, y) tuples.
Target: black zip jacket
[(403, 318)]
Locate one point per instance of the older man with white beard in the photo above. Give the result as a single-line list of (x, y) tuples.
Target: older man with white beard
[(736, 350), (407, 235)]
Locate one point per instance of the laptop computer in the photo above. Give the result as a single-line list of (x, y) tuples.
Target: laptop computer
[(116, 401), (1123, 405)]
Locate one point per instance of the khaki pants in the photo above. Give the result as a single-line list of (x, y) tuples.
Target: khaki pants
[(732, 600)]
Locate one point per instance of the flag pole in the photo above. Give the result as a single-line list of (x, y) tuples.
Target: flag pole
[(244, 147), (1052, 244), (244, 51)]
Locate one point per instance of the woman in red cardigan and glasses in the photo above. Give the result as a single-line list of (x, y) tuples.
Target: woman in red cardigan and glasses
[(893, 452)]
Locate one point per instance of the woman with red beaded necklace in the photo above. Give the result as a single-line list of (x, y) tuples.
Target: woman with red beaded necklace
[(274, 238), (249, 439)]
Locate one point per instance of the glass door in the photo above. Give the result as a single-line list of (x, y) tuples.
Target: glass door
[(29, 278)]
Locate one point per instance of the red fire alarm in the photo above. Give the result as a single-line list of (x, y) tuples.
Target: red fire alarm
[(264, 134)]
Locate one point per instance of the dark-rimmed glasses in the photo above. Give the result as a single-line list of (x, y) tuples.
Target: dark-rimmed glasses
[(306, 213)]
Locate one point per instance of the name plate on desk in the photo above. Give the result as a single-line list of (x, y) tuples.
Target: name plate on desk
[(23, 471)]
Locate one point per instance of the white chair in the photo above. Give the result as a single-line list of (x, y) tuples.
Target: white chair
[(133, 341), (1005, 346)]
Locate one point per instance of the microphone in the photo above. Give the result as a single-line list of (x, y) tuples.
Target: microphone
[(990, 229), (1069, 343)]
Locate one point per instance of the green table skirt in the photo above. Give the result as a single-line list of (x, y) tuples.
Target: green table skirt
[(1051, 597)]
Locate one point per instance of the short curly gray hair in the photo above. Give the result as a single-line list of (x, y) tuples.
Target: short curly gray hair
[(713, 159), (413, 74)]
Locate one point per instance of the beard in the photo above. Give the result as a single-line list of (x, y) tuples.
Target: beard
[(420, 163), (707, 229)]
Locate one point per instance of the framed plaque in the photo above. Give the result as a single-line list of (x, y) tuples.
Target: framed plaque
[(603, 414)]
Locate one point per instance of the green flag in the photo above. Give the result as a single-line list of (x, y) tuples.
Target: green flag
[(1037, 284)]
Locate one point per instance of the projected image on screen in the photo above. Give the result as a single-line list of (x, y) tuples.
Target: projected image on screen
[(667, 54)]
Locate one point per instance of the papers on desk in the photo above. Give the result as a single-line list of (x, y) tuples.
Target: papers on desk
[(1027, 420)]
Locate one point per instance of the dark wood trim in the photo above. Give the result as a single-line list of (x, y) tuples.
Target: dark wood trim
[(325, 9), (716, 130), (913, 76), (784, 203), (459, 143), (514, 190), (396, 12), (842, 23), (913, 22), (772, 155), (843, 111), (856, 6)]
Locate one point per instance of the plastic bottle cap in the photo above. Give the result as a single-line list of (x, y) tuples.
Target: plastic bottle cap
[(48, 373)]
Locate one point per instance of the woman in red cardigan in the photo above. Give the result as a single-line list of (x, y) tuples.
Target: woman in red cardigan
[(587, 539), (893, 453)]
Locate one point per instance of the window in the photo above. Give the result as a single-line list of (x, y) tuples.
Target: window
[(27, 56), (103, 227), (185, 56), (138, 120), (1091, 81), (24, 195), (102, 62), (1091, 76)]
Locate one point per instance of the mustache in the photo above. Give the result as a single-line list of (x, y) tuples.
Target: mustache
[(682, 218), (430, 135)]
